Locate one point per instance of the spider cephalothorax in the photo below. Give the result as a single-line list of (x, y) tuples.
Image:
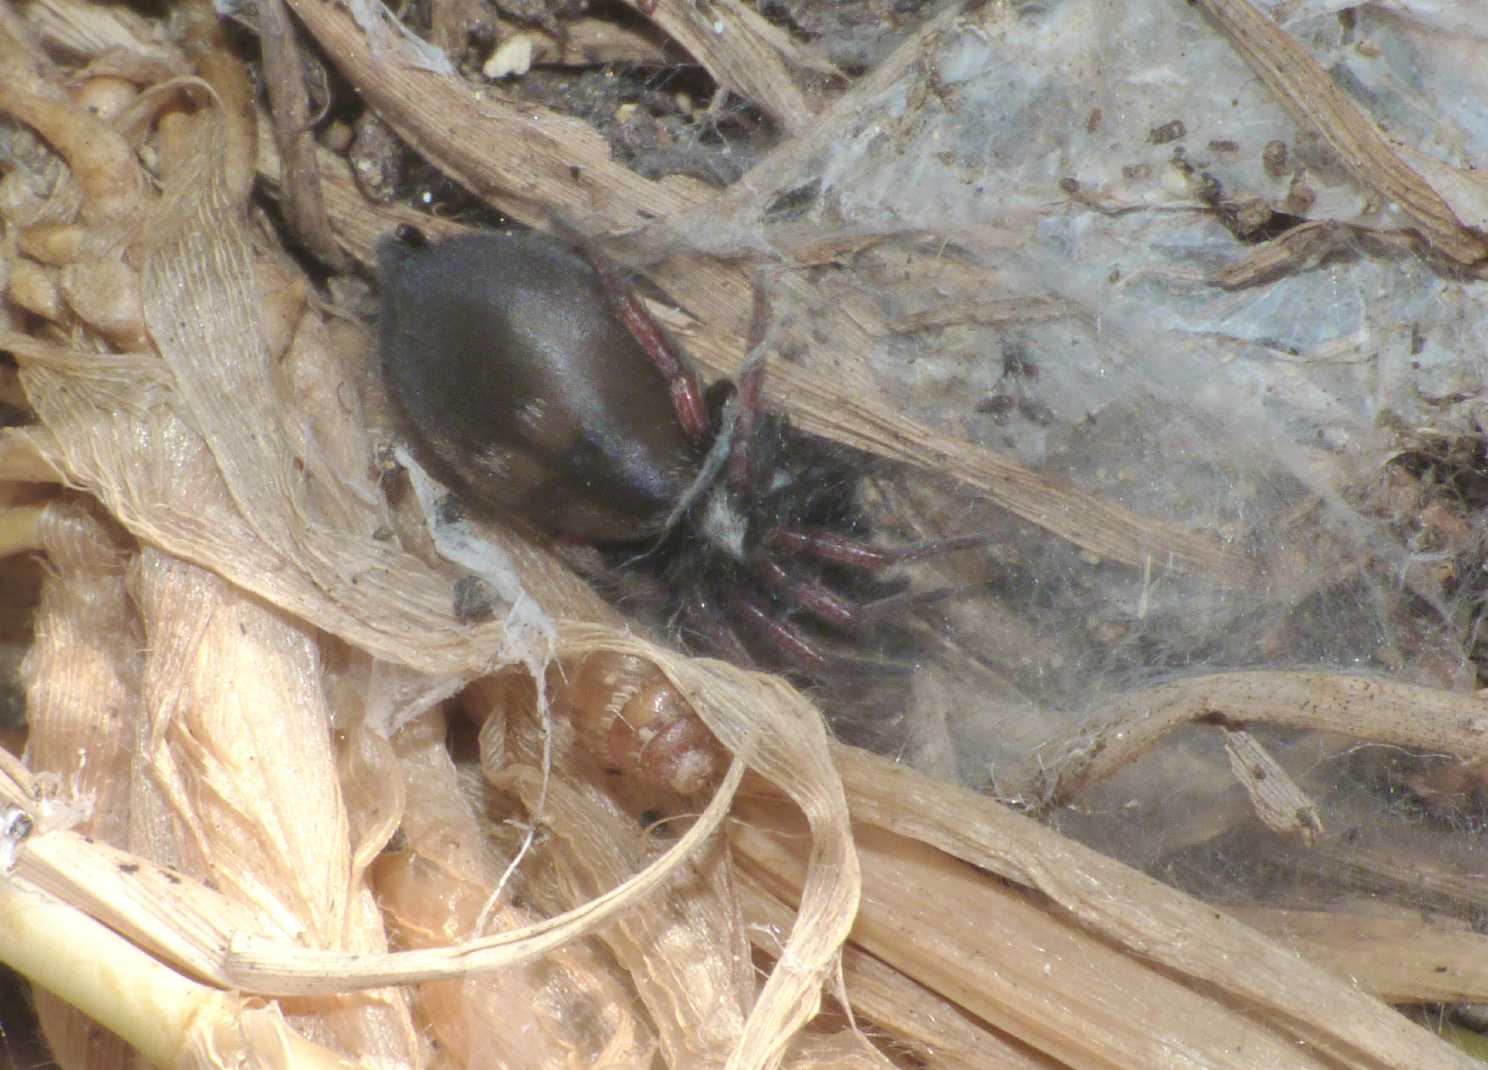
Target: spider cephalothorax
[(544, 390)]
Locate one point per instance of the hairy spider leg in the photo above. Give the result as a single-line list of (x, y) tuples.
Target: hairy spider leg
[(815, 598), (802, 593), (826, 605), (795, 648), (810, 595), (751, 382), (854, 553), (682, 381), (720, 636), (785, 639), (821, 601)]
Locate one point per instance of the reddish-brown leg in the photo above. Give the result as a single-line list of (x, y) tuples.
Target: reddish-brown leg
[(854, 553), (715, 630), (783, 638), (751, 381), (682, 381), (819, 600), (815, 598), (790, 644)]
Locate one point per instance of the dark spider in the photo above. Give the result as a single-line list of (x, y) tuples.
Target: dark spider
[(544, 390)]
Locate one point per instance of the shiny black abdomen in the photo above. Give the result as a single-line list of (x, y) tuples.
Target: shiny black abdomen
[(530, 396)]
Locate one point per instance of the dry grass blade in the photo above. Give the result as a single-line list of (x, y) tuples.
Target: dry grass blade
[(764, 721), (83, 696), (67, 899), (263, 965), (169, 1020), (1372, 708), (1402, 959), (934, 1029), (741, 50), (1309, 93), (997, 952), (176, 918), (1150, 919)]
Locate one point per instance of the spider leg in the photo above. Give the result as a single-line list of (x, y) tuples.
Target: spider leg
[(826, 605), (821, 602), (703, 616), (788, 642), (751, 380), (730, 449), (855, 553), (782, 637), (682, 381), (815, 598)]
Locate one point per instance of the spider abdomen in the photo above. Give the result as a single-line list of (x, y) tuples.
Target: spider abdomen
[(532, 397)]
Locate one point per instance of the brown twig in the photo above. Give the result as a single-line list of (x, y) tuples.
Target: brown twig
[(741, 50), (1384, 711), (289, 102), (1154, 921)]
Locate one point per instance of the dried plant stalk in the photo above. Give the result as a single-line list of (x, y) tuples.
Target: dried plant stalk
[(684, 949), (564, 1010), (290, 105), (996, 952), (1364, 707), (1151, 920), (938, 1032), (82, 679), (169, 1020), (1401, 959), (239, 744)]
